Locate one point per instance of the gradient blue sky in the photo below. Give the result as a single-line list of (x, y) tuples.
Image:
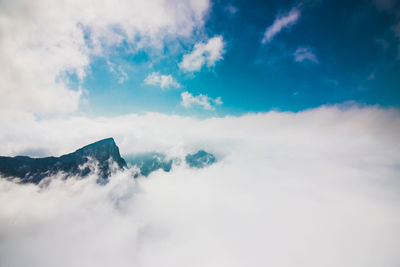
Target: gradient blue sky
[(350, 53), (354, 44)]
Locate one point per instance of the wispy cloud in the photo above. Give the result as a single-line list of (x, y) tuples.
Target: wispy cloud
[(204, 101), (118, 71), (203, 54), (371, 77), (305, 53), (390, 7), (231, 9), (384, 4), (382, 43), (163, 81), (397, 33), (281, 22)]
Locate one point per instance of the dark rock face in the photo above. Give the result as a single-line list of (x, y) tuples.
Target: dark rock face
[(200, 159), (150, 162), (33, 170)]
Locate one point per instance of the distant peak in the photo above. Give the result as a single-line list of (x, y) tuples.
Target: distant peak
[(109, 139), (106, 140), (200, 159)]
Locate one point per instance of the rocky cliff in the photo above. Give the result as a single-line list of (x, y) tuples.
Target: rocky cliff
[(33, 170)]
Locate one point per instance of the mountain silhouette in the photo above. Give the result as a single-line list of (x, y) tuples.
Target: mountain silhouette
[(33, 170), (200, 159)]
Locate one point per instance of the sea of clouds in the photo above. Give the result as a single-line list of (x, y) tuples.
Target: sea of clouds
[(316, 188)]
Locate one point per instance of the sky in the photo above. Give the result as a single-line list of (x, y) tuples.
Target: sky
[(320, 57), (203, 58), (298, 101)]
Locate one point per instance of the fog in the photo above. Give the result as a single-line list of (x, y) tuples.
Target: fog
[(315, 188)]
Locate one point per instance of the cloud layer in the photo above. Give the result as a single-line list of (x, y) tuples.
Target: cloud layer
[(319, 187)]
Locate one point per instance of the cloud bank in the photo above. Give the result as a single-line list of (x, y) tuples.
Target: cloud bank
[(319, 187)]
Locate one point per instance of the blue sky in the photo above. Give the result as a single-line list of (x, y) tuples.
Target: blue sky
[(200, 57), (352, 48)]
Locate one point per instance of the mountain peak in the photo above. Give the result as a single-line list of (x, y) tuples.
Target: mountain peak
[(35, 169)]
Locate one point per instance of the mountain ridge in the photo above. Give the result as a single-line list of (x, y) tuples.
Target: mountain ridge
[(33, 170), (103, 152)]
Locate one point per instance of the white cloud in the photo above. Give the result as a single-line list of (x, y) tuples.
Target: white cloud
[(318, 186), (304, 53), (203, 54), (163, 81), (42, 41), (206, 102), (280, 23)]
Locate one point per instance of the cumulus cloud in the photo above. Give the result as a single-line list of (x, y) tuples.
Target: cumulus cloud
[(204, 101), (163, 81), (305, 53), (203, 54), (318, 186), (43, 42), (281, 22)]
